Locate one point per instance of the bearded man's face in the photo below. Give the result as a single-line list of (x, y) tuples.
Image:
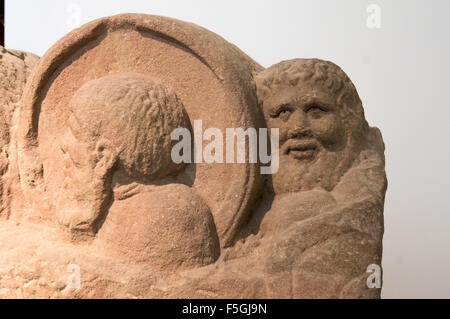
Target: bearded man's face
[(314, 145)]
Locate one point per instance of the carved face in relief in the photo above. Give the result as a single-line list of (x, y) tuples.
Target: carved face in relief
[(123, 123), (305, 100), (309, 122), (131, 117)]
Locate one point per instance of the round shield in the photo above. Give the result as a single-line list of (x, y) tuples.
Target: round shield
[(212, 78)]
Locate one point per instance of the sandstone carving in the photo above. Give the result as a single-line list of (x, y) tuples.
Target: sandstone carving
[(96, 205), (15, 68)]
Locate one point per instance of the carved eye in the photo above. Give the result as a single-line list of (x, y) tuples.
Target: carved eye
[(315, 110), (282, 110)]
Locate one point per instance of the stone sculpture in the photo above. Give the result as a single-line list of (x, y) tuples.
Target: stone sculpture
[(124, 123), (92, 184), (331, 182), (15, 68)]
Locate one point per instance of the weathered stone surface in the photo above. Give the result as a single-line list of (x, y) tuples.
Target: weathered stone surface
[(93, 187), (15, 68), (211, 77)]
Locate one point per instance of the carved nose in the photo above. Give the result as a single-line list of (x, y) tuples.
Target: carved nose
[(300, 119), (300, 125), (300, 133)]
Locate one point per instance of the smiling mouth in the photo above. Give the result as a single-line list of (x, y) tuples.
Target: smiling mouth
[(301, 150)]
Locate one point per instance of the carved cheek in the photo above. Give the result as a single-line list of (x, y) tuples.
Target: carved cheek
[(328, 129), (281, 125)]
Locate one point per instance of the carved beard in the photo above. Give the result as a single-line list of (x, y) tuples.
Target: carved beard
[(324, 171)]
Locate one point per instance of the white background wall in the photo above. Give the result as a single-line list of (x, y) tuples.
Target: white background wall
[(401, 71)]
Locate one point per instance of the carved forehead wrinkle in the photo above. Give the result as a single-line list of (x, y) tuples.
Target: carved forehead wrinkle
[(298, 72), (293, 72)]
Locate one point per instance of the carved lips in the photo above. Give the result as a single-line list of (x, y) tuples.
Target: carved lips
[(304, 150)]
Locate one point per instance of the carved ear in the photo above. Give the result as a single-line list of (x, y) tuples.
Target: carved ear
[(106, 157)]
